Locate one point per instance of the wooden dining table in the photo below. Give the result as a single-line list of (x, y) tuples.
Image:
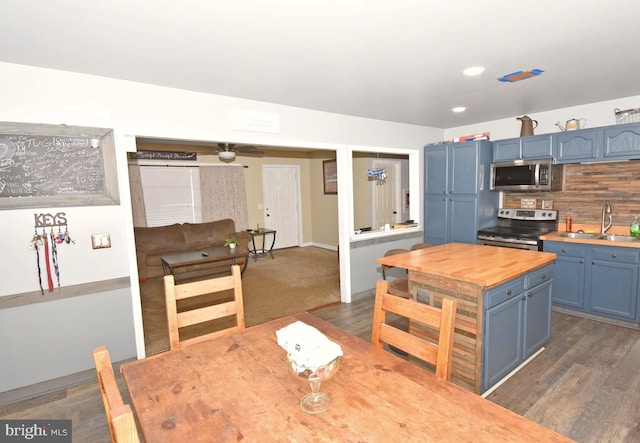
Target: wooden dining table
[(240, 388)]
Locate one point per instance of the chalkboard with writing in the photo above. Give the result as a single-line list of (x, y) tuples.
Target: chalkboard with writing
[(50, 165)]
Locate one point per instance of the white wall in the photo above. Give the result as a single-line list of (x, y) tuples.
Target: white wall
[(596, 114), (36, 95)]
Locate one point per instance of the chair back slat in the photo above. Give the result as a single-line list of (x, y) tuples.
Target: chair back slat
[(442, 320), (120, 419), (177, 320)]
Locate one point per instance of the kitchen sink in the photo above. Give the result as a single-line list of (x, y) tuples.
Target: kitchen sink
[(622, 238), (581, 235)]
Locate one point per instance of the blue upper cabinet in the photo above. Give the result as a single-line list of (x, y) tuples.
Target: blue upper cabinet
[(436, 170), (619, 142), (577, 146), (622, 141), (521, 148), (464, 172), (505, 150)]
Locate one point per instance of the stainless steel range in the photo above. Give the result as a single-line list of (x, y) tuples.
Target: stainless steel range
[(519, 228)]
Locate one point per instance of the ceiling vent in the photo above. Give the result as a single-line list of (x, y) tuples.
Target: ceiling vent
[(520, 75)]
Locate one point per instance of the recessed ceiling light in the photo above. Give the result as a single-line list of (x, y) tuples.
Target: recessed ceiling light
[(475, 70), (459, 109)]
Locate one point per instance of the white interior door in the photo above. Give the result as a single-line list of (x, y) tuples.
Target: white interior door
[(281, 185), (386, 197)]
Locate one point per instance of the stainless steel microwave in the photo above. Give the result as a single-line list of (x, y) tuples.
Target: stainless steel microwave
[(527, 175)]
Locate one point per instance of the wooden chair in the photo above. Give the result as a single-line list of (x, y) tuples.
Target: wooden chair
[(421, 246), (122, 424), (177, 320), (397, 286), (400, 286), (440, 354)]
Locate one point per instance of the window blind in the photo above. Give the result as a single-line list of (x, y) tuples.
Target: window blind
[(171, 195)]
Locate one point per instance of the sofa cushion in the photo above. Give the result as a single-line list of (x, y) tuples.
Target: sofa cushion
[(160, 238), (198, 235)]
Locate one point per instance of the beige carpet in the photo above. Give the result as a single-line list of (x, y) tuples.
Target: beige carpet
[(297, 279)]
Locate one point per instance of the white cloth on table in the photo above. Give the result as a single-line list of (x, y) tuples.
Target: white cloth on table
[(307, 347)]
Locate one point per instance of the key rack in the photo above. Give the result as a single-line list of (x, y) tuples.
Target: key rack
[(50, 220)]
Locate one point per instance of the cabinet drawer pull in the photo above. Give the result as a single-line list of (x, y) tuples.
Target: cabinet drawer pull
[(530, 294), (564, 250), (523, 298), (543, 277), (508, 291), (593, 262), (613, 255), (581, 261)]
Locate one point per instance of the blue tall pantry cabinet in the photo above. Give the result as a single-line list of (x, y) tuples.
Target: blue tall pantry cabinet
[(457, 199)]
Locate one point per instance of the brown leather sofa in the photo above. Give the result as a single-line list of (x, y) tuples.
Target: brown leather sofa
[(154, 242)]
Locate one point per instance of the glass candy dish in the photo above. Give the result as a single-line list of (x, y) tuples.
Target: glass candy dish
[(315, 402)]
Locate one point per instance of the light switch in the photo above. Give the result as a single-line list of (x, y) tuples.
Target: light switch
[(99, 241)]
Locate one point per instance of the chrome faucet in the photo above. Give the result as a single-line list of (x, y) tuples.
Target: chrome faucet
[(606, 209)]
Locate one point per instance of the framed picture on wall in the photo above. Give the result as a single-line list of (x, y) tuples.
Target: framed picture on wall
[(330, 176)]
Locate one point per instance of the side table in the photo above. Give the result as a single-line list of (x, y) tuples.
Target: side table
[(263, 251)]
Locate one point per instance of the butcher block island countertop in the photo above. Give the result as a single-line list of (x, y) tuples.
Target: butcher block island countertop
[(486, 266), (474, 275)]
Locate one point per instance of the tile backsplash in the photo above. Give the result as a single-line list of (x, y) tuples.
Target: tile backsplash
[(586, 188)]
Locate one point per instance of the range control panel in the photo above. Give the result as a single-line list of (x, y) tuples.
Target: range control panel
[(527, 214)]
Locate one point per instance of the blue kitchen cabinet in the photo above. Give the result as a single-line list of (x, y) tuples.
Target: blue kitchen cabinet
[(453, 223), (506, 150), (436, 170), (618, 142), (537, 331), (570, 271), (622, 141), (517, 322), (577, 146), (457, 199), (436, 227), (502, 332), (463, 212), (613, 285), (522, 148), (595, 279)]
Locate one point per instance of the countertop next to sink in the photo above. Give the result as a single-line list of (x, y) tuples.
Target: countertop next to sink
[(617, 230)]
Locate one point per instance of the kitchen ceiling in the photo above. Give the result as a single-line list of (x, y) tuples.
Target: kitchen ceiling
[(399, 61)]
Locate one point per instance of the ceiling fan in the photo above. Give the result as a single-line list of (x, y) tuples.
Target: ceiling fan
[(227, 151)]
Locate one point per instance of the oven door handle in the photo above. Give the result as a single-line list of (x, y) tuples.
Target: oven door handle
[(536, 174)]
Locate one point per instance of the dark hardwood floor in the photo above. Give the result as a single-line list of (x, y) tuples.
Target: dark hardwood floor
[(584, 385)]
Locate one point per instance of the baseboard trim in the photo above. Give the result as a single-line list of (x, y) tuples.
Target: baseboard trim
[(323, 246), (612, 321), (49, 386), (364, 294), (511, 374)]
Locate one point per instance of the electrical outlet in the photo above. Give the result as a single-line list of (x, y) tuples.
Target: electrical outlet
[(99, 241)]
